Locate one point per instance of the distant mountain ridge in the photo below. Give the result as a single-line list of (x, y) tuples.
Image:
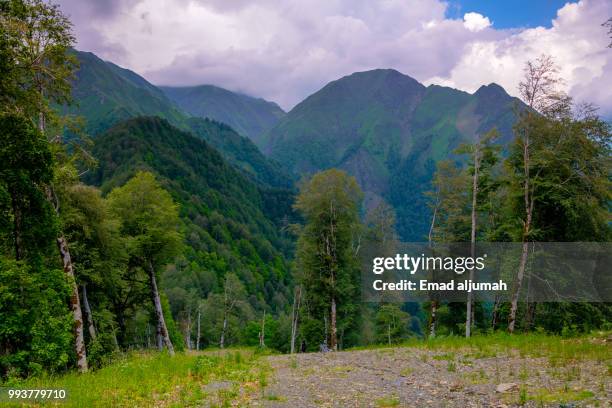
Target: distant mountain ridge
[(249, 116), (106, 94), (388, 130)]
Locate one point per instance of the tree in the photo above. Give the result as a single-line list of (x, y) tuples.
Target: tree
[(330, 203), (447, 202), (37, 38), (150, 223), (100, 260), (391, 323), (483, 156), (539, 91), (233, 293), (558, 173)]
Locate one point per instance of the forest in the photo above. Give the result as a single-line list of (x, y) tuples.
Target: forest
[(150, 235)]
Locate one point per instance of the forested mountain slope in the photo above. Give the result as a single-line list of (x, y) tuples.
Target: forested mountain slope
[(249, 116), (105, 94), (241, 152), (388, 130), (230, 223)]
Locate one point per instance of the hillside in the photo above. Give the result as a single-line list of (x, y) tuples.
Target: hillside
[(387, 130), (249, 116), (230, 223), (105, 94)]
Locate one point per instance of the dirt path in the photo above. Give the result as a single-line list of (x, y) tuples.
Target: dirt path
[(408, 377)]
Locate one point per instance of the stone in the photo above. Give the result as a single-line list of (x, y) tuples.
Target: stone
[(506, 387)]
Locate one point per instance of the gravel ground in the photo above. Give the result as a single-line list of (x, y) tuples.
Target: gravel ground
[(413, 377)]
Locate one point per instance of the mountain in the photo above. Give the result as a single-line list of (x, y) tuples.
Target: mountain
[(106, 94), (387, 130), (231, 224), (249, 116)]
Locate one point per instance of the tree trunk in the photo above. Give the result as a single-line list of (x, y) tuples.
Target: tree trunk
[(434, 302), (17, 225), (159, 339), (495, 317), (294, 317), (333, 329), (222, 341), (90, 323), (162, 329), (198, 335), (188, 333), (528, 201), (470, 300), (262, 340), (75, 305), (432, 322), (75, 302)]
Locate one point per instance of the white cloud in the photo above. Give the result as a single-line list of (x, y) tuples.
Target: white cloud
[(286, 50), (475, 21), (576, 41)]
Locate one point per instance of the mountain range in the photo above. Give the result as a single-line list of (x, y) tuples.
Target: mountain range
[(105, 94), (388, 130), (383, 127)]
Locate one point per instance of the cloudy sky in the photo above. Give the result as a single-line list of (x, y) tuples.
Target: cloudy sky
[(284, 50)]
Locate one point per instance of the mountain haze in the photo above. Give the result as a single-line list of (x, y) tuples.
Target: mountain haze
[(249, 116), (388, 130)]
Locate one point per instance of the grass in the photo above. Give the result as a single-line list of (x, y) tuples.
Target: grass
[(388, 402), (216, 378), (558, 350), (235, 377)]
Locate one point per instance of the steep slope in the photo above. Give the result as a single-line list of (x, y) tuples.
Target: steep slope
[(249, 116), (388, 130), (105, 94), (241, 152), (230, 223)]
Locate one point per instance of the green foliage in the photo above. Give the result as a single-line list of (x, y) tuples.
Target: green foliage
[(569, 168), (391, 324), (41, 69), (149, 219), (35, 329), (26, 165)]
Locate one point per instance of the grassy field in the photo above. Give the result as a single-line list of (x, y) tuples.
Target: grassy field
[(244, 377), (213, 378)]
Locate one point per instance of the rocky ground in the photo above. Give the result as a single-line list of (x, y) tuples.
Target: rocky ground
[(420, 377)]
